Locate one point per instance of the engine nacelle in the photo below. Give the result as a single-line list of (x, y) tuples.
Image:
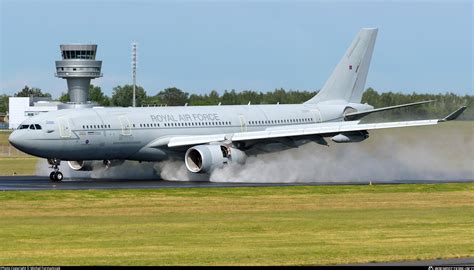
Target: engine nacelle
[(204, 158), (349, 137), (80, 165)]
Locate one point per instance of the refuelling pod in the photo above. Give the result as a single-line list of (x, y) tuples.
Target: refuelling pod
[(205, 158), (349, 137)]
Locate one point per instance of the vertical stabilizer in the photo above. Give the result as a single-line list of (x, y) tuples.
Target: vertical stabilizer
[(347, 81)]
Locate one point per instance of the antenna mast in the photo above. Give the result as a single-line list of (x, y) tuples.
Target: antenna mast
[(134, 69)]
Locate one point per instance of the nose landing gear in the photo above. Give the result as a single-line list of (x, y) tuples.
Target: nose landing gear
[(55, 175)]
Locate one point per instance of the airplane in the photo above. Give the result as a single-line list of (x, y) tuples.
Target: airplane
[(209, 137)]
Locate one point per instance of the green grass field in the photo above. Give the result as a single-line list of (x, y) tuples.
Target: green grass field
[(238, 226), (4, 137), (9, 152), (12, 161), (17, 165)]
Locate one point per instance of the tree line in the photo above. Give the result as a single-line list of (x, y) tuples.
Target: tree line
[(122, 97)]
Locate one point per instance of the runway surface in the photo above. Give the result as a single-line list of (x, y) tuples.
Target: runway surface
[(43, 183)]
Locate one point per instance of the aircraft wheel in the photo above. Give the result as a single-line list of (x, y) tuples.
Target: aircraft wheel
[(51, 176), (58, 176)]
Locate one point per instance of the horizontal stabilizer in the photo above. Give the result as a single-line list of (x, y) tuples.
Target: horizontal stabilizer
[(358, 115), (454, 115)]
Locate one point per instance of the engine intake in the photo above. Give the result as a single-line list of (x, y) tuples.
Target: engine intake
[(205, 158)]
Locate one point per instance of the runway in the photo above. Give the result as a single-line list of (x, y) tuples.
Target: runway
[(43, 183)]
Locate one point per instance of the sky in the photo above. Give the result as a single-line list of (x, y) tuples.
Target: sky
[(199, 46)]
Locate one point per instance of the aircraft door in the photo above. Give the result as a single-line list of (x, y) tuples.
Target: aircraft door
[(317, 115), (243, 124), (126, 127), (64, 128)]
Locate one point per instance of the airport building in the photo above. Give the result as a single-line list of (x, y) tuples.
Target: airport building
[(21, 108)]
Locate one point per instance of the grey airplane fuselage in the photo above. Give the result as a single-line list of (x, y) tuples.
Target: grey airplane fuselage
[(124, 133)]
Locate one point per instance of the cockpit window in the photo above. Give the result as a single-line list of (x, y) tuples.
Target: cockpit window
[(32, 126)]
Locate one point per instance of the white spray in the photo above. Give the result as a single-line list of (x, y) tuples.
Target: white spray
[(410, 154)]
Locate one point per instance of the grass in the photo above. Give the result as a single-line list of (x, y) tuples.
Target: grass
[(316, 225), (4, 137), (12, 161), (8, 151), (18, 165)]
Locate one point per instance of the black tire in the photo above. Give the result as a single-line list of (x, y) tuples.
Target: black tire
[(51, 176), (58, 176)]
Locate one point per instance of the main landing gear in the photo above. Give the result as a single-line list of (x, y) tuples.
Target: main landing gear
[(55, 175)]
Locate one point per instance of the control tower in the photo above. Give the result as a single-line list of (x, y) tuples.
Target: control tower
[(78, 66)]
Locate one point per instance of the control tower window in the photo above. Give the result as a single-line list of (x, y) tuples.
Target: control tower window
[(81, 55), (73, 54)]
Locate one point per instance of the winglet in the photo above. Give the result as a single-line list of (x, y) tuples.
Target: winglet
[(453, 115)]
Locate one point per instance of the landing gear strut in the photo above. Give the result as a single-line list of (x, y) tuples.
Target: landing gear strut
[(55, 175)]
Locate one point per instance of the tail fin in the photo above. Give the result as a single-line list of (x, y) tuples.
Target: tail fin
[(347, 81)]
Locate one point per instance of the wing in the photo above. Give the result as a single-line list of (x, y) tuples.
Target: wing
[(295, 131)]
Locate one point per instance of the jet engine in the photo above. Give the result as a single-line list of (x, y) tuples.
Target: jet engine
[(204, 158), (80, 165)]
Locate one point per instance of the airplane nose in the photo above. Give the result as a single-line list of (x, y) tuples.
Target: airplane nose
[(13, 139)]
